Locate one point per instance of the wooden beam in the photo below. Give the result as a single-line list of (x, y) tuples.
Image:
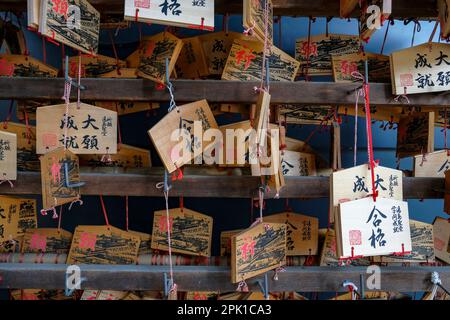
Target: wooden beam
[(144, 185), (198, 278), (307, 93), (305, 8)]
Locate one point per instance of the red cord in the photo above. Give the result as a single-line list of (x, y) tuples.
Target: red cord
[(369, 141), (104, 210)]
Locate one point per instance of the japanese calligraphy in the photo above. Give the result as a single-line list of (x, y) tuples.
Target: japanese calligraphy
[(171, 6)]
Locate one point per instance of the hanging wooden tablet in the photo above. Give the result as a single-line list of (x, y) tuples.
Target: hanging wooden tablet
[(368, 228), (192, 119), (298, 164), (94, 66), (125, 107), (297, 145), (33, 14), (420, 69), (103, 245), (178, 13), (60, 178), (14, 65), (75, 23), (432, 165), (422, 245), (321, 48), (91, 130), (415, 134), (146, 241), (225, 241), (8, 156), (191, 63), (216, 47), (245, 62), (298, 114), (444, 12), (238, 149), (16, 216), (441, 234), (258, 250), (345, 65), (126, 157), (27, 160), (367, 30), (302, 233), (356, 183), (46, 240), (347, 7), (158, 48), (261, 119), (190, 232), (254, 19)]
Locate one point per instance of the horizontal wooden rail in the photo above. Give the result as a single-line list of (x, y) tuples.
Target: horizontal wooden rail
[(144, 185), (306, 8), (307, 93), (206, 278)]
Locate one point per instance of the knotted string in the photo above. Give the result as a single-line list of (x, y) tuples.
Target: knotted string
[(242, 286), (351, 287), (9, 181), (75, 201), (53, 209)]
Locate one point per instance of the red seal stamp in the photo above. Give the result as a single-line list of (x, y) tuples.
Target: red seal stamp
[(355, 237)]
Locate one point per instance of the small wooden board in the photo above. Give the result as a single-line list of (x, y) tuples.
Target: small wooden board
[(258, 250), (298, 114), (321, 49), (415, 134), (27, 160), (46, 240), (432, 164), (152, 59), (302, 233), (254, 19), (55, 191), (103, 245), (94, 66), (298, 163), (444, 12), (367, 228), (180, 13), (91, 130), (58, 21), (441, 234), (146, 241), (234, 134), (191, 63), (345, 65), (126, 157), (421, 69), (245, 62), (225, 241), (15, 65), (185, 120), (190, 232), (8, 156)]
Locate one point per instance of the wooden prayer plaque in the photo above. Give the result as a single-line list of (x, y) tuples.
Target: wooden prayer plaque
[(75, 23), (225, 241), (262, 117), (302, 233), (421, 69), (33, 14), (190, 232), (345, 65), (298, 163), (258, 250), (254, 19), (152, 61), (8, 156), (27, 160), (178, 13), (16, 216), (60, 178), (216, 47), (432, 165), (103, 245), (145, 245), (444, 12), (94, 66), (356, 183), (347, 7), (127, 107), (191, 63), (298, 114), (367, 228), (245, 62), (126, 157), (415, 134), (321, 49), (192, 120), (14, 65), (422, 245), (91, 130), (366, 31), (46, 240), (235, 134), (441, 233)]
